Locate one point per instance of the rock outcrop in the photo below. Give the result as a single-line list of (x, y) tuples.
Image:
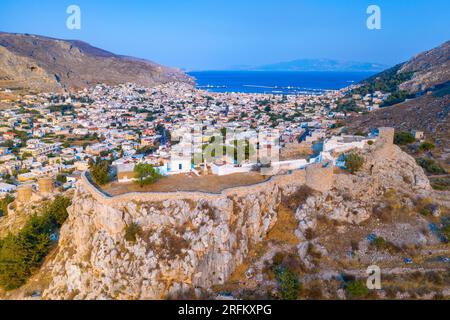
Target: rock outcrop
[(353, 198)]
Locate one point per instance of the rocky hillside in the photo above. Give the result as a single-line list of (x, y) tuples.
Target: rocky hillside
[(41, 63), (429, 69), (419, 99), (171, 246), (429, 114)]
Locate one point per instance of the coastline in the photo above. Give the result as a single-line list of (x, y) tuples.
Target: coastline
[(276, 82)]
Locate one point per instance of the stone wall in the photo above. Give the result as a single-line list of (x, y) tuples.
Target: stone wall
[(24, 193), (46, 185), (385, 143), (320, 177), (294, 179)]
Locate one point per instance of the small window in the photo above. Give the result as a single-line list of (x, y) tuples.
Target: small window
[(180, 166)]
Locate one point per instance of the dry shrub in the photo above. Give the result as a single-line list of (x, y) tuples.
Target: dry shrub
[(294, 263), (391, 210), (316, 255), (354, 245), (173, 244), (284, 228), (314, 292), (209, 211), (290, 260), (278, 258), (435, 278), (132, 231), (382, 244), (297, 198), (309, 234), (325, 223)]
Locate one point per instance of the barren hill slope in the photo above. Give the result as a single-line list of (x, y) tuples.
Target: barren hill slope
[(430, 68), (424, 83), (41, 63)]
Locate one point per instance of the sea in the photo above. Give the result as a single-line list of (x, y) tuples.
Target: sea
[(276, 82)]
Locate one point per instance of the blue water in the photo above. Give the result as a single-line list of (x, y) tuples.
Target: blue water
[(276, 82)]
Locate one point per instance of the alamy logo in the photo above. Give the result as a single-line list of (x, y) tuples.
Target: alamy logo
[(74, 20), (374, 278), (374, 20)]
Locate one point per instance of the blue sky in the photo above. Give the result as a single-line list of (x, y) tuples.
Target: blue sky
[(216, 34)]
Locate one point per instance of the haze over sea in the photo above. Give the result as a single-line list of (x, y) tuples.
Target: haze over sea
[(276, 82)]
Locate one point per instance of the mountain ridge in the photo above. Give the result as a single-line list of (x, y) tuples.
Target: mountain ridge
[(48, 64)]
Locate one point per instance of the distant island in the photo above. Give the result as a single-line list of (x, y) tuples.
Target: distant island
[(318, 65)]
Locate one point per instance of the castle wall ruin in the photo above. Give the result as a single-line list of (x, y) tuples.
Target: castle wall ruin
[(320, 176)]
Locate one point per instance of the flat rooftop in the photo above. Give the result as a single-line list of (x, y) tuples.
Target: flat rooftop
[(188, 182)]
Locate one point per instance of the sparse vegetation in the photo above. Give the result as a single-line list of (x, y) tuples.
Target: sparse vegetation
[(297, 198), (382, 244), (387, 81), (354, 162), (430, 166), (173, 245), (441, 184), (132, 231), (284, 229)]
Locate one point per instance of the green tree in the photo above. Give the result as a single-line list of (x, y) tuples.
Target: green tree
[(288, 283), (357, 289), (26, 155), (354, 162), (23, 253), (66, 144), (4, 203), (99, 170), (146, 174), (403, 138), (426, 146)]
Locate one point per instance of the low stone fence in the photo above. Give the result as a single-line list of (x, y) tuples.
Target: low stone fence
[(294, 178)]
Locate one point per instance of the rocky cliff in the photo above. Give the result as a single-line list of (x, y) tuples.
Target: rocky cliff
[(183, 243), (46, 64)]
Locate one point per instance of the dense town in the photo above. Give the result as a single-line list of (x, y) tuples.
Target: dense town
[(58, 136)]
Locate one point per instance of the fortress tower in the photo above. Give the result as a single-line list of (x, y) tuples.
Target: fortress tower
[(45, 185), (24, 193), (386, 136), (320, 176), (385, 143)]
